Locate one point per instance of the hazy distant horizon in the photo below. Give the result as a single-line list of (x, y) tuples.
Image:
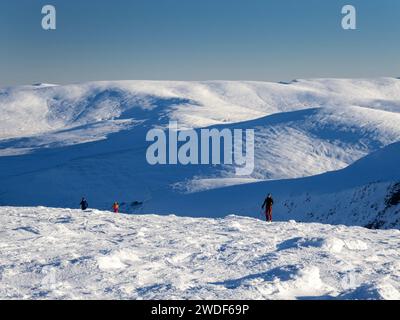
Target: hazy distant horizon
[(209, 80), (257, 40)]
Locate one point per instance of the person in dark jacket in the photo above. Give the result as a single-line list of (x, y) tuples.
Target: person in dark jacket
[(84, 204), (268, 203)]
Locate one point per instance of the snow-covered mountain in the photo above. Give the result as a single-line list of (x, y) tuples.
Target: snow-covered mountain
[(59, 143), (40, 108), (68, 254)]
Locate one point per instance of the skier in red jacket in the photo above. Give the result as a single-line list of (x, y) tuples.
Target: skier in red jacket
[(116, 207)]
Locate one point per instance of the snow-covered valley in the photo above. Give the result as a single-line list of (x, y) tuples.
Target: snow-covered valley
[(69, 254)]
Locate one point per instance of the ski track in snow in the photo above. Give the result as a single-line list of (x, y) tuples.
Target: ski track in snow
[(68, 254)]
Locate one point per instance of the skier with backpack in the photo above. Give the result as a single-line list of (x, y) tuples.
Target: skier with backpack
[(84, 204), (268, 203)]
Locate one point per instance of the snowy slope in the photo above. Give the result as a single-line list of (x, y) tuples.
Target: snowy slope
[(67, 254), (288, 145), (367, 193), (59, 143)]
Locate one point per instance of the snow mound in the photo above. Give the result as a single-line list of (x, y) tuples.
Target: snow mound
[(356, 245), (302, 284), (330, 244), (333, 245), (374, 291), (118, 260)]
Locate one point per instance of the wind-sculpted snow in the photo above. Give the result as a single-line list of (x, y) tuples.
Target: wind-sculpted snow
[(68, 254)]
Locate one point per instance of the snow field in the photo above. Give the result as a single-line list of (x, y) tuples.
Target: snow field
[(68, 254)]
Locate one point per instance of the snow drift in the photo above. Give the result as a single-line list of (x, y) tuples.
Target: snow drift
[(69, 254)]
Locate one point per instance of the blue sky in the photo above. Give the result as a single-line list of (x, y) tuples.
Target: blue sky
[(269, 40)]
